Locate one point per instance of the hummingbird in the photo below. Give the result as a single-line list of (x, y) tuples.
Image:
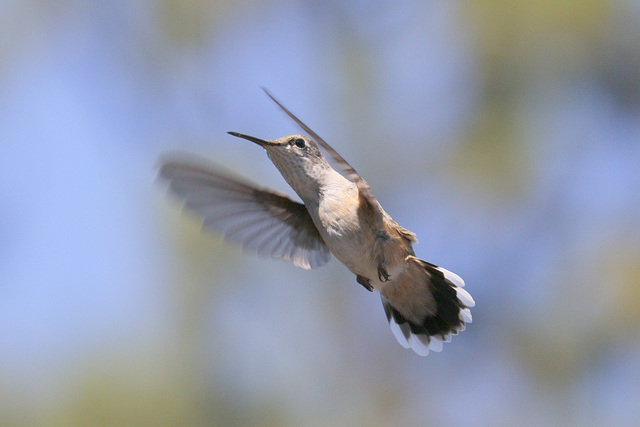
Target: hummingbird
[(339, 215)]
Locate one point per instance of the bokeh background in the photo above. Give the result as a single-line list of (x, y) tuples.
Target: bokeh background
[(505, 134)]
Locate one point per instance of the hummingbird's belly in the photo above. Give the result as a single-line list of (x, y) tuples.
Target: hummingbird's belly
[(361, 250), (355, 255), (348, 231), (353, 246), (352, 250)]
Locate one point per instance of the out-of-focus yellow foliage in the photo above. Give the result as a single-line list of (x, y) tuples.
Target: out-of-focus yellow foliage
[(515, 28), (620, 262), (494, 158), (189, 22)]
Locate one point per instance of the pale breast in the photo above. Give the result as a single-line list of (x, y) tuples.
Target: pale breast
[(349, 236)]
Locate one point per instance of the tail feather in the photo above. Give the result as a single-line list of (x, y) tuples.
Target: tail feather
[(426, 305)]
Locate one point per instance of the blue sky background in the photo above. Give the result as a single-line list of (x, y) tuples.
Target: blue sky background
[(506, 135)]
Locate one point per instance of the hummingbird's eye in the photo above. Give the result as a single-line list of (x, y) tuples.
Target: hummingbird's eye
[(299, 142)]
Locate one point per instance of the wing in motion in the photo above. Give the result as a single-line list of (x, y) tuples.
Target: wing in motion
[(260, 219), (349, 171)]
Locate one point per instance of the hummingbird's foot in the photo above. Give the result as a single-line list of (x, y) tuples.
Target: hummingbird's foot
[(364, 282), (383, 276)]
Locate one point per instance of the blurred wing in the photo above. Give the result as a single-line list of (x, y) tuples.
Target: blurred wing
[(349, 171), (261, 220)]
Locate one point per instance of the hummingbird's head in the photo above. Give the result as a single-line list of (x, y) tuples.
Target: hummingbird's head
[(298, 159)]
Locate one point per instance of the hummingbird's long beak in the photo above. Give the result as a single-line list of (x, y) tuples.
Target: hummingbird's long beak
[(260, 142)]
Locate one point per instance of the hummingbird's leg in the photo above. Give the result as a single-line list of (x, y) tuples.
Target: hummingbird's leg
[(364, 282), (383, 276)]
